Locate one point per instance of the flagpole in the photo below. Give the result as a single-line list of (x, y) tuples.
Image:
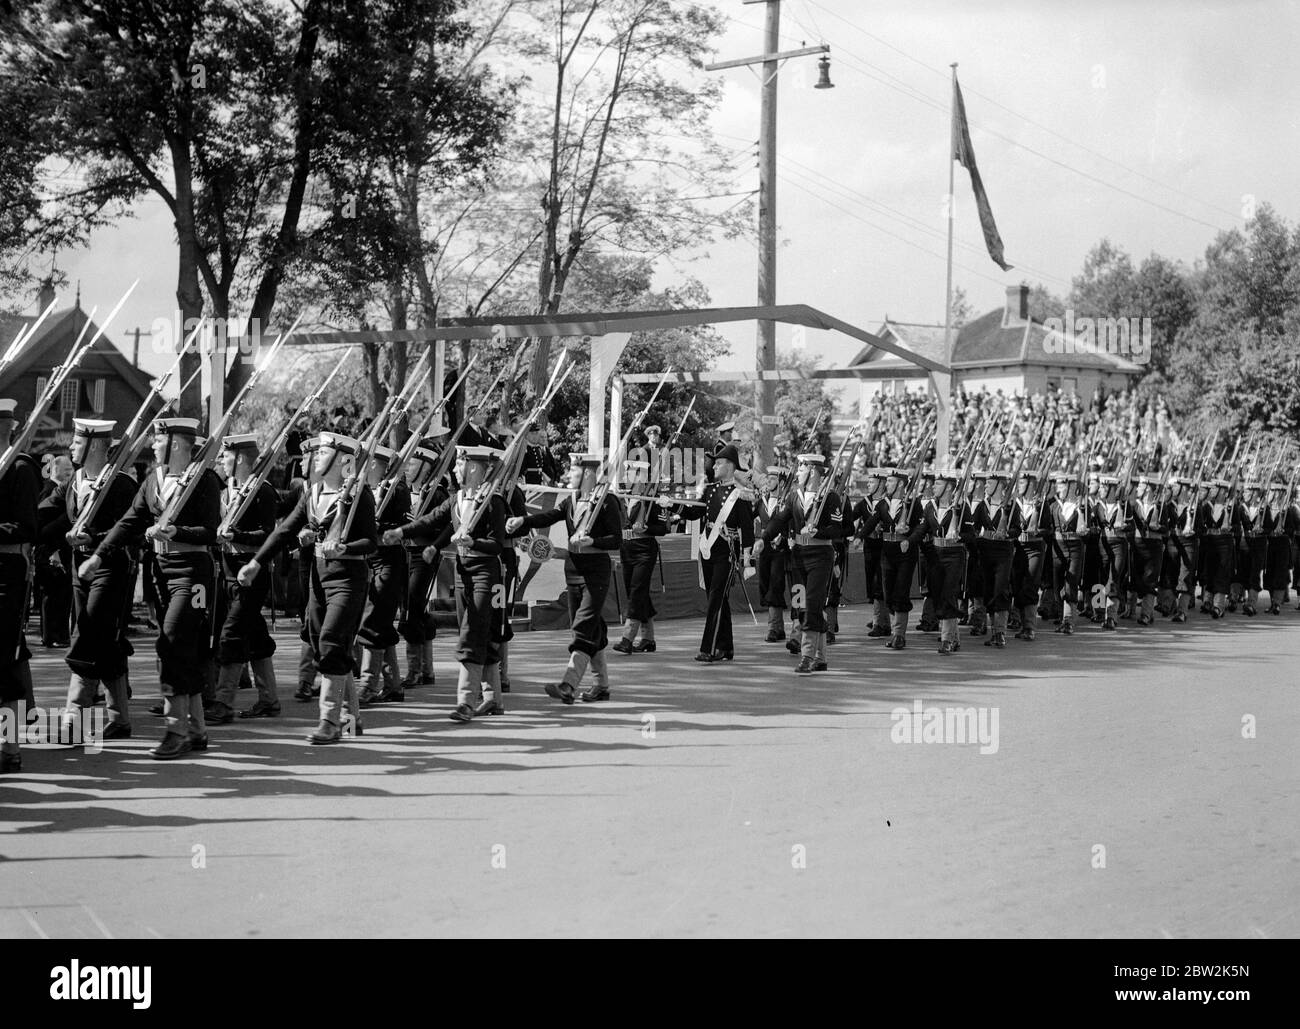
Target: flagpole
[(943, 404)]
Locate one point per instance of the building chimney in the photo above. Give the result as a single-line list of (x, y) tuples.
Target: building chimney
[(1017, 309), (46, 295)]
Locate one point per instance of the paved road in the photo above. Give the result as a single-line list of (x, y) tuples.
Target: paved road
[(734, 799)]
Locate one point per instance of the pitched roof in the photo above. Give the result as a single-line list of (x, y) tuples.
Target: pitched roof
[(985, 341), (52, 344)]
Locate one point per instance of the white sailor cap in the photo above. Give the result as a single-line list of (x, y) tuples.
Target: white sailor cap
[(92, 428), (585, 459), (637, 464), (727, 427), (812, 459), (896, 473), (426, 455), (998, 473), (1145, 479), (385, 454), (947, 476), (1254, 484), (478, 453), (7, 408), (338, 442), (310, 443), (877, 473), (436, 431), (1220, 483), (242, 441), (1108, 480), (775, 469), (177, 426), (1065, 476)]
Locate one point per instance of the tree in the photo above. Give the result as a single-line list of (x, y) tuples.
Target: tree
[(626, 160)]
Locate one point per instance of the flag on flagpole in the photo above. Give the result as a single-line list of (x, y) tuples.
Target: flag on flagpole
[(964, 153)]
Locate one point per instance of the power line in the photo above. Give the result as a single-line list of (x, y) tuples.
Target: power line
[(1024, 117)]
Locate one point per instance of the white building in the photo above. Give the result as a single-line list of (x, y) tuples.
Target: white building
[(1002, 350)]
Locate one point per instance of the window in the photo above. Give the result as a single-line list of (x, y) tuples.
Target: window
[(97, 396), (1053, 384), (1070, 386), (69, 394)]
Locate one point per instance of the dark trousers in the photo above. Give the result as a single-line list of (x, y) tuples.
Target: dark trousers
[(588, 577), (816, 568), (639, 557), (186, 585), (244, 636), (103, 603), (1027, 572), (996, 557), (13, 643), (418, 626), (1277, 566), (1147, 554), (1067, 571), (771, 576), (1219, 552), (1253, 555), (1182, 559), (717, 570), (946, 568), (478, 589), (503, 630), (871, 558), (1114, 566), (385, 591), (896, 570), (56, 599), (334, 604)]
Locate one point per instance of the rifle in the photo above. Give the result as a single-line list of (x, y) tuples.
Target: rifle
[(247, 490), (208, 455), (405, 397), (498, 482), (601, 489), (397, 467), (127, 451), (75, 355), (824, 487), (682, 424), (25, 334), (449, 450)]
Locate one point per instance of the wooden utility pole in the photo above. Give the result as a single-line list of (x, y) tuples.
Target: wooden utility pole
[(770, 59)]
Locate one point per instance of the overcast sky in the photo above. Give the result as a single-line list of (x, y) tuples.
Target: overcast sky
[(1147, 122)]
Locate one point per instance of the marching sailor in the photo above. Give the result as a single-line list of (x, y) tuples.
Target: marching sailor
[(900, 518), (813, 531), (339, 574), (19, 492), (1064, 522), (771, 558), (639, 554), (244, 638), (587, 574), (946, 566), (417, 626), (388, 584), (102, 605), (185, 575), (476, 527)]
